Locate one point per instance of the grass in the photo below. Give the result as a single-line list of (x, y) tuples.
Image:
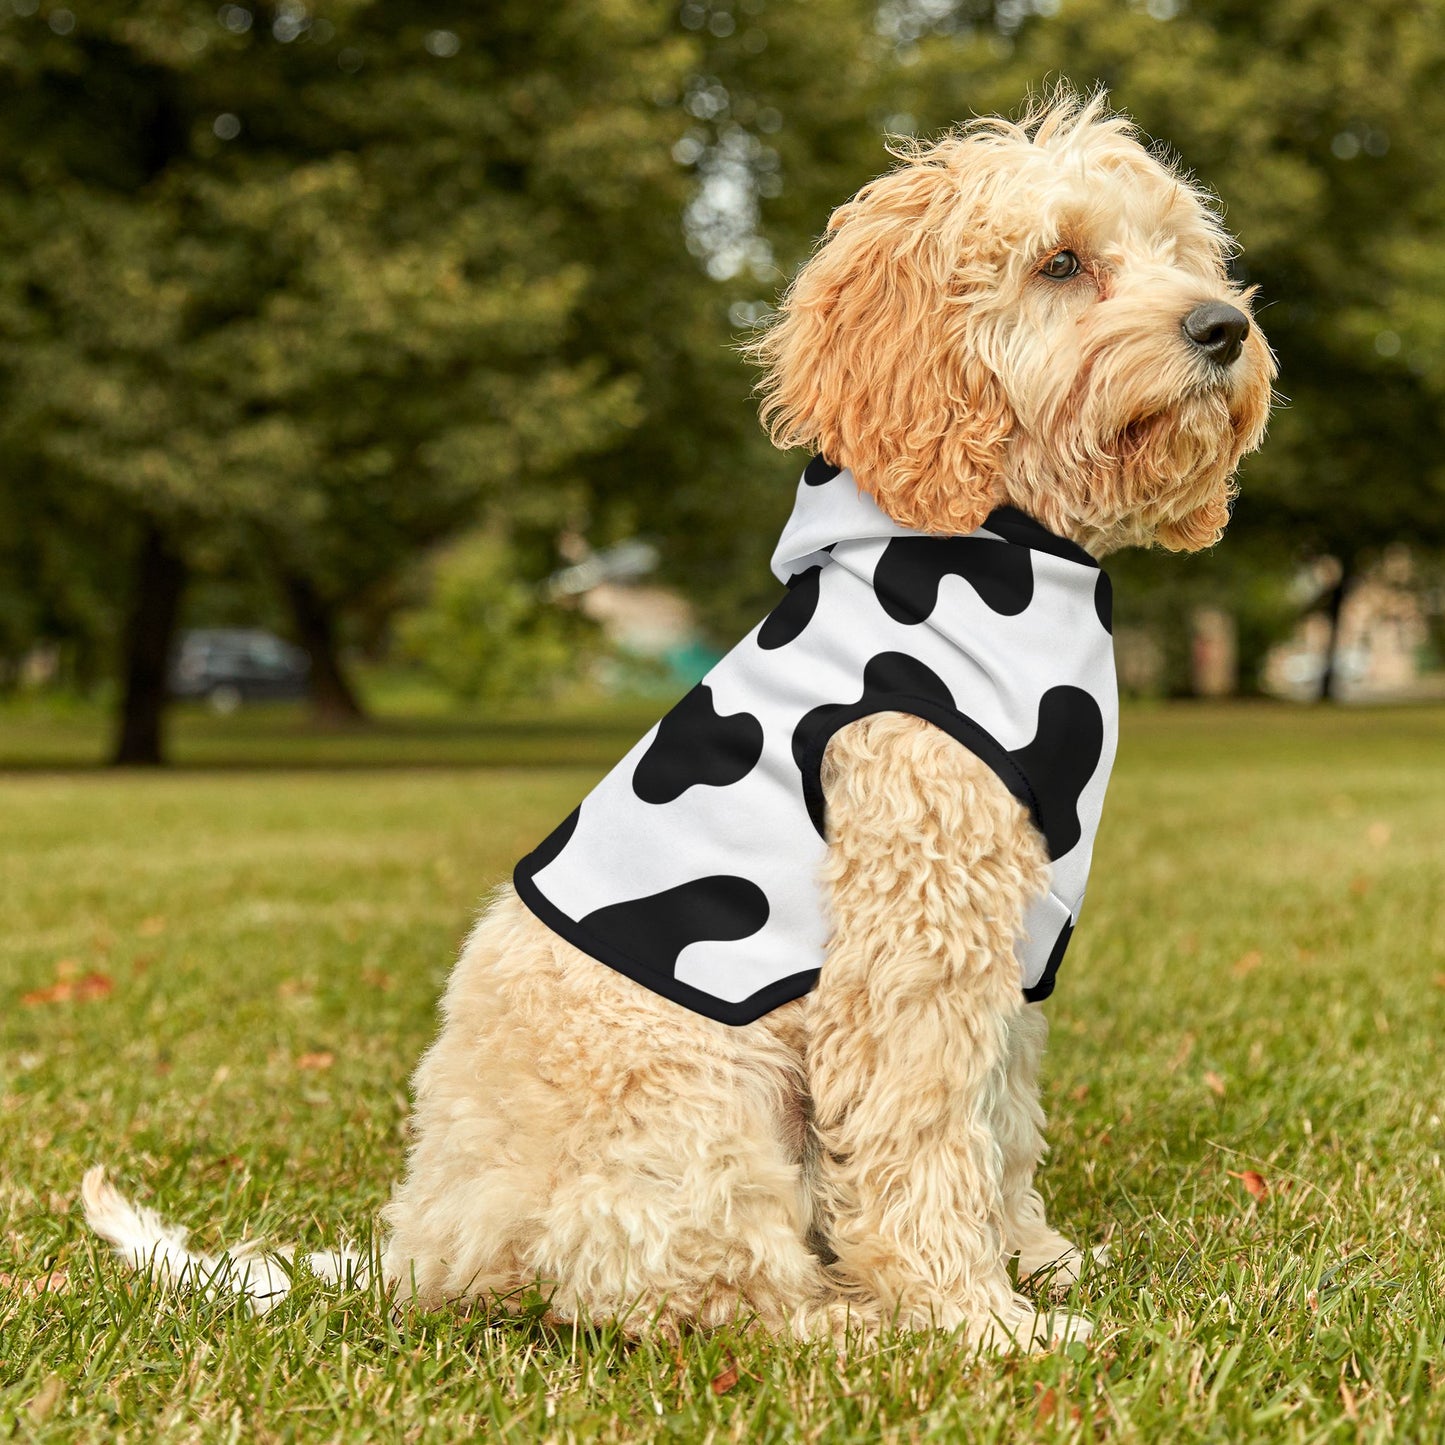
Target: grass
[(252, 957)]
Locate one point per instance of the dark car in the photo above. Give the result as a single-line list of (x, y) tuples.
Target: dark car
[(231, 665)]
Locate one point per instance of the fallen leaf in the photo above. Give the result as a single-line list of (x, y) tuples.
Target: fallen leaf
[(1248, 962), (151, 927), (724, 1382), (91, 986), (56, 1282), (1214, 1083), (56, 993), (322, 1059), (1255, 1184), (1046, 1408)]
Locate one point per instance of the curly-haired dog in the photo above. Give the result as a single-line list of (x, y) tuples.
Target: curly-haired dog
[(817, 1104)]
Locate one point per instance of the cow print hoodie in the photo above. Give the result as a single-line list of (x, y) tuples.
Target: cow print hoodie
[(693, 866)]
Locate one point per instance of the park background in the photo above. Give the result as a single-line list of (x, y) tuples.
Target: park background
[(407, 333), (360, 327)]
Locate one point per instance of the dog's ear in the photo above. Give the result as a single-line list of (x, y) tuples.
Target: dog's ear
[(873, 358)]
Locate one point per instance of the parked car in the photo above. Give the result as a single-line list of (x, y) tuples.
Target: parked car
[(230, 665)]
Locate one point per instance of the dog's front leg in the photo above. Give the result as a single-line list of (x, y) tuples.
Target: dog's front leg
[(1019, 1125), (930, 866)]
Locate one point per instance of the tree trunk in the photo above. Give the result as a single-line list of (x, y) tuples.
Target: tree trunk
[(1329, 675), (160, 578), (333, 699)]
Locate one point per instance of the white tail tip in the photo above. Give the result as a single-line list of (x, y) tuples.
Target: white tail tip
[(147, 1243)]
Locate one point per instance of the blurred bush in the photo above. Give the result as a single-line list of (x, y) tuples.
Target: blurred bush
[(487, 634)]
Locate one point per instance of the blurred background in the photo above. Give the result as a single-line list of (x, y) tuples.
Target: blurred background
[(367, 366)]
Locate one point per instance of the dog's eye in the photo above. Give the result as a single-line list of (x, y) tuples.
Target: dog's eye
[(1060, 266)]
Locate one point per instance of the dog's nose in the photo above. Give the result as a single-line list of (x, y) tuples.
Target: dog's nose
[(1218, 330)]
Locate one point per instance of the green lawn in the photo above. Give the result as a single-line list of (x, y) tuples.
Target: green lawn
[(253, 957)]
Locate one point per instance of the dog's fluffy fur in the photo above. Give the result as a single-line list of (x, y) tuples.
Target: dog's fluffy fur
[(865, 1155)]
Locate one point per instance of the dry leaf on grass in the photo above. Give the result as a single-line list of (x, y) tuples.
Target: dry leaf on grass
[(1214, 1083), (1255, 1184), (321, 1059), (56, 1282), (726, 1379), (1046, 1407), (1248, 962), (67, 990)]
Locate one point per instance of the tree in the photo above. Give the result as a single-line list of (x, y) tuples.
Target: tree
[(300, 283)]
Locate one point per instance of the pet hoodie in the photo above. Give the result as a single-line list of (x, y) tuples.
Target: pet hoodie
[(693, 866)]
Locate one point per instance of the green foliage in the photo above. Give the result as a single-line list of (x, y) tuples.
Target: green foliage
[(318, 288), (486, 633), (310, 287), (1250, 988)]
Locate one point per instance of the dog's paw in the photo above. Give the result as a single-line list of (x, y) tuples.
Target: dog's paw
[(1023, 1326), (1058, 1270)]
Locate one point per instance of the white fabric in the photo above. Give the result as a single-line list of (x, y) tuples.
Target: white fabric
[(756, 829)]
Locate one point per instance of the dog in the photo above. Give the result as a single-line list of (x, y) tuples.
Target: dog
[(1022, 342)]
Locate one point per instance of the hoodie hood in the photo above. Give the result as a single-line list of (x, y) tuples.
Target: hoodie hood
[(830, 509)]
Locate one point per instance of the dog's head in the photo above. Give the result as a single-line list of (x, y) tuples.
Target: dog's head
[(1035, 313)]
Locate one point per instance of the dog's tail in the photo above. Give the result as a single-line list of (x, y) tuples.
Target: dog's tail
[(147, 1243)]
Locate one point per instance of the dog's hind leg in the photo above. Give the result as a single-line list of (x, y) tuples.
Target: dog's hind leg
[(577, 1134), (681, 1198), (930, 867)]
